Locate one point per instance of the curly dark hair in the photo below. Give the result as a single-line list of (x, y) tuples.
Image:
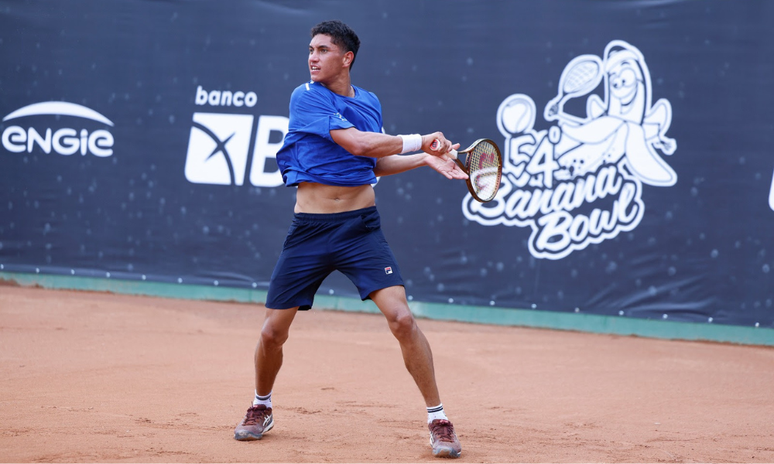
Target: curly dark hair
[(341, 35)]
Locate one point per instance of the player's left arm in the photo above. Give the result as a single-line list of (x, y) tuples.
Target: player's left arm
[(396, 164)]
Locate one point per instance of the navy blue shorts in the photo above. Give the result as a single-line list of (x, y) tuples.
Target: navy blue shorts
[(318, 244)]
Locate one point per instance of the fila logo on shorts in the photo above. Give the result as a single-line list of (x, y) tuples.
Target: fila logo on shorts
[(388, 270)]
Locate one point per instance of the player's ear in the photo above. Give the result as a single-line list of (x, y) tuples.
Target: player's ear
[(348, 57)]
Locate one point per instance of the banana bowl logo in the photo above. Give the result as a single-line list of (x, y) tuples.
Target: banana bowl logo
[(580, 181), (69, 137)]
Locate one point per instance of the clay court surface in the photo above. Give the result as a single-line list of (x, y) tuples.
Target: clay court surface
[(99, 377)]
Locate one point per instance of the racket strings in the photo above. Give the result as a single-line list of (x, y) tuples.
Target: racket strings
[(484, 165), (580, 75)]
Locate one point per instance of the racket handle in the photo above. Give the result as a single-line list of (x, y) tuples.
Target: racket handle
[(452, 154)]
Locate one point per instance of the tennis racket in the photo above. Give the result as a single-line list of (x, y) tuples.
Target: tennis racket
[(484, 167), (581, 75)]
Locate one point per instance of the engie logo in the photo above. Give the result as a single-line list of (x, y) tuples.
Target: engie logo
[(580, 181), (68, 140), (219, 143)]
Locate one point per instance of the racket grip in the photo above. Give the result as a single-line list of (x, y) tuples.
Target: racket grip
[(452, 153)]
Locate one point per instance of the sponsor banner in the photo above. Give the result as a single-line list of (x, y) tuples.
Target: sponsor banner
[(638, 169), (219, 145), (63, 140)]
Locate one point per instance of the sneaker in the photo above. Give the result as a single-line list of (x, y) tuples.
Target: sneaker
[(443, 439), (257, 421)]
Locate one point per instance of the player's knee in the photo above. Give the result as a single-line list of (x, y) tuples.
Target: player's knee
[(273, 337), (402, 325)]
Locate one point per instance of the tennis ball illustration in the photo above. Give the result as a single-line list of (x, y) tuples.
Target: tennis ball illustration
[(516, 114)]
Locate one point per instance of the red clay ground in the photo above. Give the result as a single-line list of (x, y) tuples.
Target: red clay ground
[(92, 377)]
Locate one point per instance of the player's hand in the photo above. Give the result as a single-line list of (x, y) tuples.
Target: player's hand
[(436, 144), (446, 166)]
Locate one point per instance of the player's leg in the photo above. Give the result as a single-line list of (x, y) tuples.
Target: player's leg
[(259, 417), (268, 351), (364, 256), (418, 358), (299, 271), (414, 346)]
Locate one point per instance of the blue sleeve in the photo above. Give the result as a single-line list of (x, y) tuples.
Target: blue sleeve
[(313, 113)]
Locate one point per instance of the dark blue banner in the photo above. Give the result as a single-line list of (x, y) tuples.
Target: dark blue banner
[(139, 141)]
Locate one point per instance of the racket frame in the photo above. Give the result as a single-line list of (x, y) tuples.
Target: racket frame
[(454, 154)]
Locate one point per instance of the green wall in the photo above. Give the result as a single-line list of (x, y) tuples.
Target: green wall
[(472, 314)]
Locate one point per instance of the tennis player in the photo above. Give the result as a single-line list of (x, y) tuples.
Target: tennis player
[(333, 152)]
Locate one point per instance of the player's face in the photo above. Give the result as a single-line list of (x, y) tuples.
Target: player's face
[(326, 60)]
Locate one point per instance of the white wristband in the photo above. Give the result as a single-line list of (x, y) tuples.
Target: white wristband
[(411, 143)]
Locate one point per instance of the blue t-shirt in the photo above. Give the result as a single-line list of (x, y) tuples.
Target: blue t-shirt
[(309, 154)]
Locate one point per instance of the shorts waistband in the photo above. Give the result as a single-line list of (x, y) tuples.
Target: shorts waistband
[(334, 217)]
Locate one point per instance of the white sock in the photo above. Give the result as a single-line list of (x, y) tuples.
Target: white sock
[(436, 412), (264, 400)]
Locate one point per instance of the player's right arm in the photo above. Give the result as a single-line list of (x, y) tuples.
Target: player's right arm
[(314, 113), (377, 145)]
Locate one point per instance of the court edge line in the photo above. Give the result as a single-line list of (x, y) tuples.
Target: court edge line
[(591, 323)]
